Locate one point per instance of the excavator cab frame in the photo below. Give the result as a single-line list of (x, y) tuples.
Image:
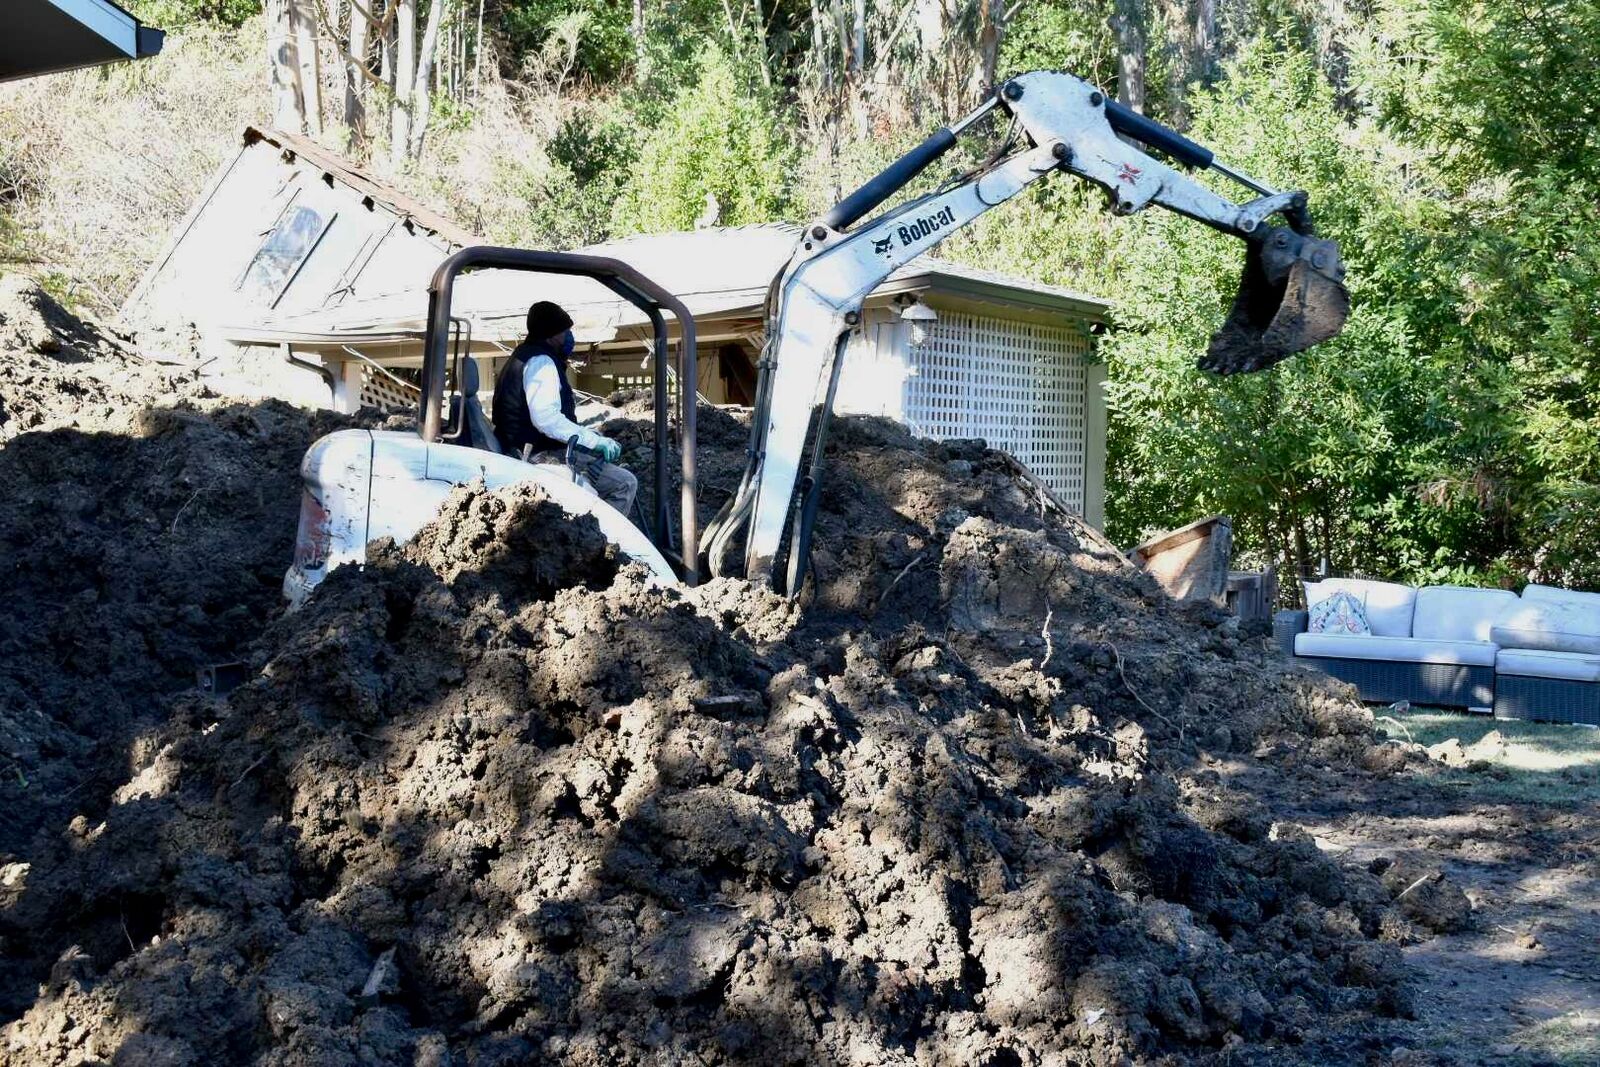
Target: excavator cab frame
[(636, 289)]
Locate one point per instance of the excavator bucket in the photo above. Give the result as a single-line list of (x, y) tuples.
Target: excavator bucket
[(1292, 296)]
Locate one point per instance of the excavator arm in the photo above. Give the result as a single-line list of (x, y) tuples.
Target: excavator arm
[(1291, 297)]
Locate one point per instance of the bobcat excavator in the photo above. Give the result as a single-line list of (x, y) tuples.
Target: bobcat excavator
[(1290, 298)]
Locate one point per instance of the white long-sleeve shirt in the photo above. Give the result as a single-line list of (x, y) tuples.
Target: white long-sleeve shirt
[(541, 384)]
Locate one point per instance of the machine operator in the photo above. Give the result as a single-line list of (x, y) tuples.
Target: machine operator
[(535, 412)]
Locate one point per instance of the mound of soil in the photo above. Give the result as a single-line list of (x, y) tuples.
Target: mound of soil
[(496, 799), (144, 528), (61, 371)]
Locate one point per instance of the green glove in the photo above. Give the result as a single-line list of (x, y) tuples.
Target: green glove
[(609, 450)]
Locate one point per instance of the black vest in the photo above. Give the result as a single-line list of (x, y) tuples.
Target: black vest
[(512, 423)]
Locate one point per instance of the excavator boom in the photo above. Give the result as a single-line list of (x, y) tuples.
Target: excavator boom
[(1291, 296)]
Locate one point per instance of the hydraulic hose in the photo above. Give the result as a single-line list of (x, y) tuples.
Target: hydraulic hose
[(1127, 121), (891, 180)]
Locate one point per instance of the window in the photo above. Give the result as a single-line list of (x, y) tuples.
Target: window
[(286, 247)]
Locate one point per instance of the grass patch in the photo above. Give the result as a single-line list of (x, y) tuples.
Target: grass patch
[(1550, 763), (1570, 1040)]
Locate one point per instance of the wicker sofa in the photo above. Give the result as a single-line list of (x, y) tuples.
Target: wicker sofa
[(1534, 656), (1549, 662)]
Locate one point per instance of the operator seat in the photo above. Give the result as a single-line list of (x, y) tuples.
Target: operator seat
[(475, 429)]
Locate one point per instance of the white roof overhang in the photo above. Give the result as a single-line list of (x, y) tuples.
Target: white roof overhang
[(721, 277), (44, 36)]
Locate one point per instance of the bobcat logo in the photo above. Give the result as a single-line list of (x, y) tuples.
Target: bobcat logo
[(882, 245)]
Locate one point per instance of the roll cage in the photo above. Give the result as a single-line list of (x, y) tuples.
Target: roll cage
[(636, 289)]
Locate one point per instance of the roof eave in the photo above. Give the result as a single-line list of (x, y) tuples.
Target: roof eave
[(261, 335), (109, 35), (941, 282)]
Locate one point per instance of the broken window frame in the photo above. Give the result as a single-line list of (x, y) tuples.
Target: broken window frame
[(277, 229)]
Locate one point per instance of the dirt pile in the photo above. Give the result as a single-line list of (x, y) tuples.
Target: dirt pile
[(495, 799), (144, 528), (62, 371)]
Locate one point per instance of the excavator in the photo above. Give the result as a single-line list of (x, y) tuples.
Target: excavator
[(1291, 297)]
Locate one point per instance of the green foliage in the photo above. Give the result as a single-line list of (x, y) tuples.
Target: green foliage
[(592, 150), (1062, 35), (1501, 87), (674, 33), (604, 45), (173, 15), (591, 160), (720, 138), (1324, 456), (1496, 104)]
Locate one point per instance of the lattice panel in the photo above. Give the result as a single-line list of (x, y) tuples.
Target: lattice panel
[(381, 391), (1018, 385)]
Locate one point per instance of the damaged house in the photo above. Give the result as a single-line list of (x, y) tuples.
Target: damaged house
[(308, 279)]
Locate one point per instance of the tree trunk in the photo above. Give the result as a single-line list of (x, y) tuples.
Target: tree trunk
[(1203, 45), (636, 29), (858, 37), (386, 45), (735, 37), (1287, 562), (405, 72), (355, 82), (1302, 544), (421, 101), (477, 41), (1325, 525), (761, 42), (283, 67), (304, 18), (1128, 26), (819, 45), (991, 30)]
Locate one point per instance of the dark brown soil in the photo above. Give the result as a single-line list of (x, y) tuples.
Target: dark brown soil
[(60, 371), (1512, 978), (144, 528), (495, 799)]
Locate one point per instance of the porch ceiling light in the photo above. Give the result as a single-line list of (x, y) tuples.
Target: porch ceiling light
[(919, 316)]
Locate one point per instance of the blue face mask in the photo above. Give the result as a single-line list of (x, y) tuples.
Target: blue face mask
[(567, 343)]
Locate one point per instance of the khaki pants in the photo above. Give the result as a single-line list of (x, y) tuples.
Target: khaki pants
[(614, 484)]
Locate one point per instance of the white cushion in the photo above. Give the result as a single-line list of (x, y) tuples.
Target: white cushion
[(1388, 604), (1550, 592), (1455, 613), (1541, 663), (1560, 625), (1396, 649)]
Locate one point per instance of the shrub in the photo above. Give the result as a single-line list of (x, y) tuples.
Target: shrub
[(720, 137)]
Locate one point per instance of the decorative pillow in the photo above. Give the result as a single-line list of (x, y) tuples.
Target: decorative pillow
[(1339, 614)]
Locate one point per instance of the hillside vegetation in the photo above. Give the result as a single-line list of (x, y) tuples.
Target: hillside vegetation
[(1452, 432)]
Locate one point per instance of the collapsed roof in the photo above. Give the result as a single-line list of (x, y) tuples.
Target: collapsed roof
[(715, 272)]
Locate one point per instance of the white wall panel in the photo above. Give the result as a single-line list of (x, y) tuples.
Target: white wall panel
[(1021, 386)]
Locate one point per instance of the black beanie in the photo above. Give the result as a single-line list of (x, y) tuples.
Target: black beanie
[(545, 320)]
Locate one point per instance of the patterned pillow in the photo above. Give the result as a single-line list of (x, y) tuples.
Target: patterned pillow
[(1341, 613)]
